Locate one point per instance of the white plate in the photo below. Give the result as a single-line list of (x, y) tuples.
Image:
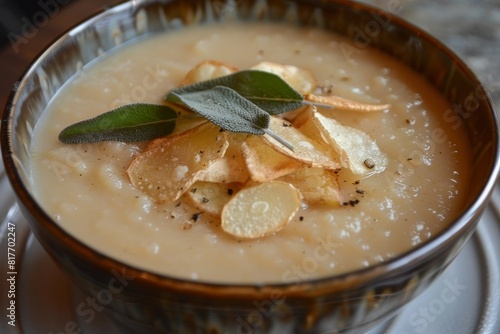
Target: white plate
[(464, 300)]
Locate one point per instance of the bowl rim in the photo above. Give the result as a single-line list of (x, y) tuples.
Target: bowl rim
[(362, 276)]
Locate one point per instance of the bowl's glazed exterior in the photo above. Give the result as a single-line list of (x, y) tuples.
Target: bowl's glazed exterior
[(353, 302)]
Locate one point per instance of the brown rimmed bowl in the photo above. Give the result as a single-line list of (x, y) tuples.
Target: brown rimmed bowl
[(353, 302)]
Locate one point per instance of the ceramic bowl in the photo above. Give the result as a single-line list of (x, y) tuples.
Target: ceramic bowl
[(146, 302)]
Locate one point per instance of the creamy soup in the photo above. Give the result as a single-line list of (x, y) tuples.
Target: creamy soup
[(85, 189)]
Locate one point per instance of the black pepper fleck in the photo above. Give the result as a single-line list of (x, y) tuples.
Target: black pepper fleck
[(369, 163), (230, 191), (354, 202)]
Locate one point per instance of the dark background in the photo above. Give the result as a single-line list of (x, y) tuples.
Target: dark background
[(27, 27), (11, 13)]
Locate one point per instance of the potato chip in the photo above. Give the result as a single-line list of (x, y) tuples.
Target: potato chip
[(231, 167), (359, 151), (165, 172), (309, 128), (298, 116), (261, 210), (307, 150), (342, 103), (211, 197), (264, 162), (303, 81), (317, 185), (181, 125), (206, 70)]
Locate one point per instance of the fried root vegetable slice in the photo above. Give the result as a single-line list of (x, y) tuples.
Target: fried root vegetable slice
[(316, 185), (264, 162), (206, 70), (165, 172), (359, 151), (307, 150), (299, 116), (231, 167), (182, 124), (211, 197), (261, 210), (303, 81), (345, 104)]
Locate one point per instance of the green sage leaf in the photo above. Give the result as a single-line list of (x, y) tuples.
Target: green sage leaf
[(130, 123), (226, 108), (267, 90)]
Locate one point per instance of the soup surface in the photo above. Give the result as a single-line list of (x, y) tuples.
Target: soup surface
[(86, 190)]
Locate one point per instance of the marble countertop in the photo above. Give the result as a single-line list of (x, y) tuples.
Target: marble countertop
[(471, 28)]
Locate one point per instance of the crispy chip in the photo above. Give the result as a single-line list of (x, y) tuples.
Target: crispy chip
[(317, 185), (303, 81), (231, 167), (211, 197), (264, 162), (359, 151), (308, 127), (165, 172), (261, 210), (181, 125), (341, 103), (299, 116), (206, 70), (307, 150)]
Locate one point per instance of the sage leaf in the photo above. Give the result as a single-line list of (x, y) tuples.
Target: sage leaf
[(130, 123), (226, 108), (267, 90)]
